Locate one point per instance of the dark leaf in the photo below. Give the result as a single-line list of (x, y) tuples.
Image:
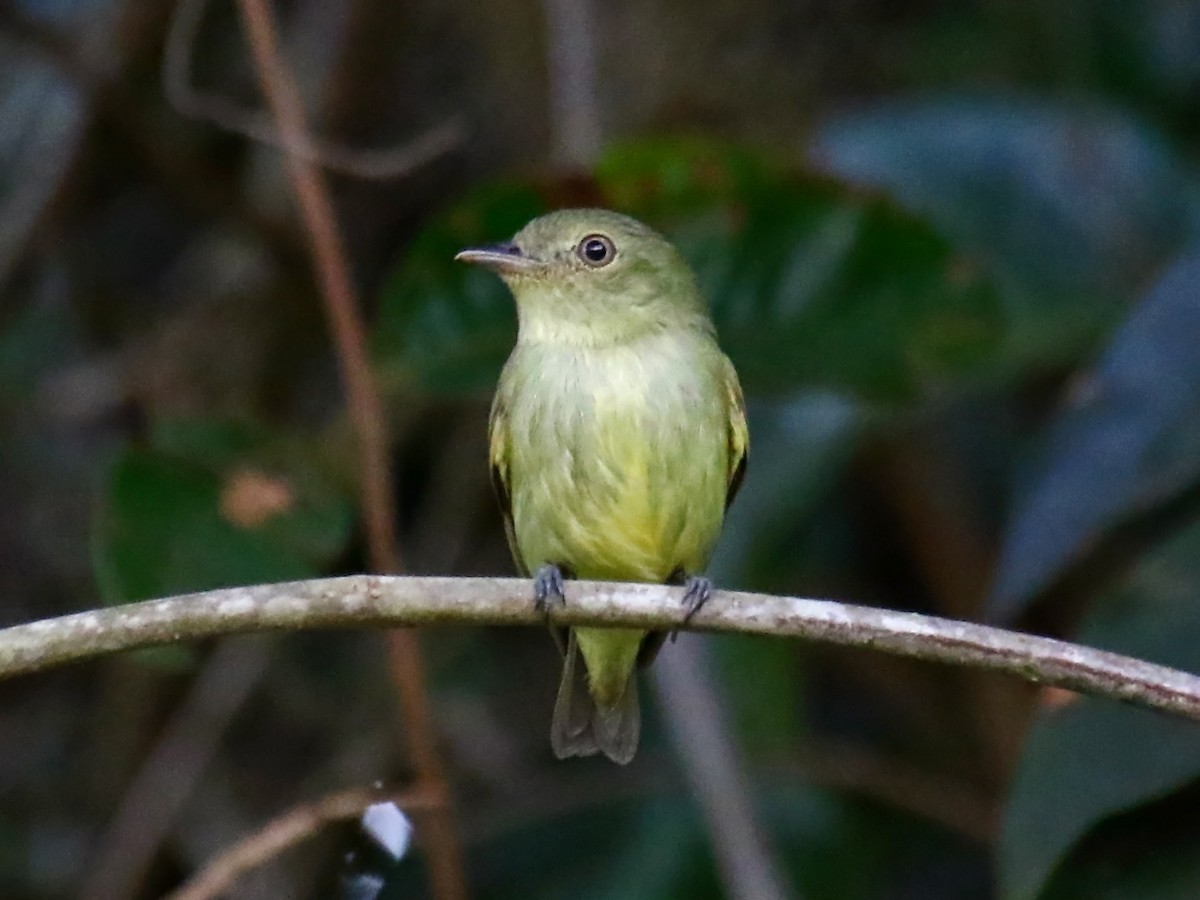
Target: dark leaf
[(810, 283), (446, 325), (212, 506), (1068, 208), (1093, 759), (1130, 441), (798, 449), (1152, 853)]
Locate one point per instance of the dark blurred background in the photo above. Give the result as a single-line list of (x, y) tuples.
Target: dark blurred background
[(953, 249)]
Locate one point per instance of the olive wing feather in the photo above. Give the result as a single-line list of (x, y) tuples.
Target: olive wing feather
[(739, 433), (499, 456)]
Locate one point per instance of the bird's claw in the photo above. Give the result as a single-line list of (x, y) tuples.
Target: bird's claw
[(696, 591), (548, 585)]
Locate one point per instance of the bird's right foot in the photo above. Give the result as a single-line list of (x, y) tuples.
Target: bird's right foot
[(696, 591), (548, 586)]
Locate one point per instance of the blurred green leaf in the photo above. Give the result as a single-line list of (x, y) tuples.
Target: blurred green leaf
[(799, 448), (1153, 54), (1093, 759), (659, 846), (210, 506), (810, 282), (654, 845), (1152, 853), (762, 679), (1068, 208), (447, 325), (32, 340), (1130, 441), (607, 848)]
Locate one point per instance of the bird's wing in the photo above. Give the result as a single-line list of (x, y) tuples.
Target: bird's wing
[(739, 433), (499, 454)]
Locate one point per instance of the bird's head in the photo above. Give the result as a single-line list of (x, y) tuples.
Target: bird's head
[(592, 277)]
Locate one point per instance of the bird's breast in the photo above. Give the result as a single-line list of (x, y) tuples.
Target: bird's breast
[(619, 461)]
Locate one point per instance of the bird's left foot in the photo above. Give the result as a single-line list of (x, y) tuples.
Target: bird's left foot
[(547, 586), (696, 591)]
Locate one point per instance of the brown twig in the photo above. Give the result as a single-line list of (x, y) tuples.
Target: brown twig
[(156, 150), (373, 600), (170, 772), (333, 273), (574, 100), (831, 763), (712, 764), (385, 163), (936, 796), (932, 497), (287, 830), (367, 414)]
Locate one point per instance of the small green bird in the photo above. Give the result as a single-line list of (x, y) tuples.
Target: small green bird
[(618, 439)]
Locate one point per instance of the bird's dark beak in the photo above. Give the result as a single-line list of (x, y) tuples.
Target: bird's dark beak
[(504, 258)]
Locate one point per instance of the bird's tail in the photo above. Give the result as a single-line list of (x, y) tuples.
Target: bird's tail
[(581, 727)]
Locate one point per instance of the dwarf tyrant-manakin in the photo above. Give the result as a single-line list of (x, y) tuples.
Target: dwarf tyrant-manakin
[(617, 440)]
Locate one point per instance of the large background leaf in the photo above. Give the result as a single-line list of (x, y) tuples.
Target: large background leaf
[(1129, 440), (810, 282), (1069, 209), (211, 506), (1093, 759)]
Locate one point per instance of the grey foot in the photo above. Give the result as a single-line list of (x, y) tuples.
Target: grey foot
[(696, 591), (547, 586)]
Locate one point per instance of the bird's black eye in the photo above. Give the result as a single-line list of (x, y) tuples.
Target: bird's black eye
[(596, 250)]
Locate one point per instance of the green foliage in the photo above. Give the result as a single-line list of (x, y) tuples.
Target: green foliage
[(1129, 441), (445, 325), (208, 506), (1147, 854), (767, 678), (800, 446), (811, 283), (1068, 208), (1087, 762), (656, 846)]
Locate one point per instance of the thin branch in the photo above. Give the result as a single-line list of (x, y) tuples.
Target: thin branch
[(381, 164), (337, 289), (698, 724), (844, 766), (377, 486), (141, 135), (940, 521), (574, 99), (820, 761), (374, 600), (169, 773), (286, 831)]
